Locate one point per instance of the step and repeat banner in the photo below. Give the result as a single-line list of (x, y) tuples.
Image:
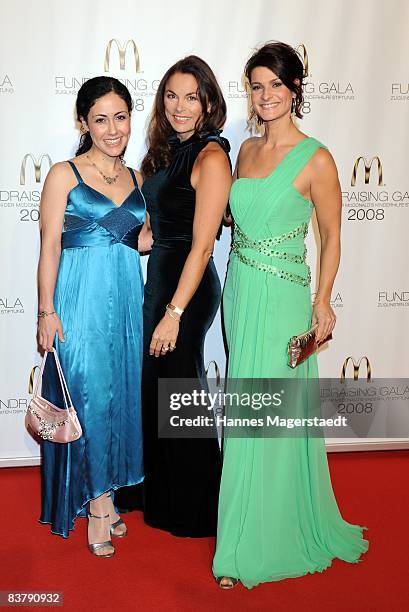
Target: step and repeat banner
[(356, 102)]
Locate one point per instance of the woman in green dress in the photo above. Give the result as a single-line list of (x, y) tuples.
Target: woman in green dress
[(278, 516)]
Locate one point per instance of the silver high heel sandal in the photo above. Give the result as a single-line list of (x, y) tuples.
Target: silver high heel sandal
[(94, 547), (117, 523), (226, 582)]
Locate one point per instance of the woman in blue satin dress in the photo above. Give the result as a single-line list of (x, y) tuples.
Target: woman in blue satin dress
[(90, 308)]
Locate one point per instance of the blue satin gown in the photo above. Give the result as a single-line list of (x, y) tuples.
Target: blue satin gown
[(98, 296)]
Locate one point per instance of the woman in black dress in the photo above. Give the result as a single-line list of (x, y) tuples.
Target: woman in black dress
[(187, 180)]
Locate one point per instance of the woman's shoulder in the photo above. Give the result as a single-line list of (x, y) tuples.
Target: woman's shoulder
[(61, 167), (216, 149), (213, 146), (214, 141), (322, 158), (249, 145), (214, 158), (322, 163), (60, 171)]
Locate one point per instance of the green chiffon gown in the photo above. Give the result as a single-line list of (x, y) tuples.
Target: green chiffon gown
[(278, 517)]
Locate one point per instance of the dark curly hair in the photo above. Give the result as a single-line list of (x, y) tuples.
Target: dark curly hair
[(88, 94), (159, 129), (286, 63)]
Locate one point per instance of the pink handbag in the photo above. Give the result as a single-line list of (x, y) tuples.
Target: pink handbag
[(46, 420)]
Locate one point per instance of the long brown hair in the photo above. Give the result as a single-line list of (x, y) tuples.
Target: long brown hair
[(159, 129)]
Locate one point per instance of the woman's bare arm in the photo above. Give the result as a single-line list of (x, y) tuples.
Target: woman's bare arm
[(326, 196), (212, 191), (52, 209)]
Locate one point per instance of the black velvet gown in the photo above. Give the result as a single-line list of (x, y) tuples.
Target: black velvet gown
[(182, 476)]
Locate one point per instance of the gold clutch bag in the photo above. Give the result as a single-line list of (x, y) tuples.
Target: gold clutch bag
[(302, 346)]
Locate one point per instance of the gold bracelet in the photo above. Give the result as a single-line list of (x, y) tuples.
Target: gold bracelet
[(43, 314)]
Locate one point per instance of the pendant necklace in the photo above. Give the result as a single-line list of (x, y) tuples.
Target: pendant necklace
[(108, 179)]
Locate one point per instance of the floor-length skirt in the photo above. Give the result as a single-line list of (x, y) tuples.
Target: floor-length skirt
[(98, 297)]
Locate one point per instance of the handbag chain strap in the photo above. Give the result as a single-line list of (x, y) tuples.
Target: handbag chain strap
[(65, 392)]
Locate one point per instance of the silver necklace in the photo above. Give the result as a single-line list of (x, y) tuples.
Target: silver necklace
[(108, 179)]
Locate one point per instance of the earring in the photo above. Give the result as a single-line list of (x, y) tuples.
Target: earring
[(293, 105), (83, 129)]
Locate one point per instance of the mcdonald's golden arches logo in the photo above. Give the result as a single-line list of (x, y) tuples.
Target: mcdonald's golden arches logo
[(122, 54), (37, 163), (304, 55), (356, 367), (368, 168)]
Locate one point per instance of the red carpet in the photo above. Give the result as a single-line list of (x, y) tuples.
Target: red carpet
[(155, 571)]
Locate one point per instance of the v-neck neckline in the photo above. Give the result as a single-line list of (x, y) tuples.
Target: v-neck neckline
[(81, 181), (273, 171), (107, 197)]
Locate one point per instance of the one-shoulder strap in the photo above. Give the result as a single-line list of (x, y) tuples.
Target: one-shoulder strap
[(75, 169), (301, 156), (135, 181)]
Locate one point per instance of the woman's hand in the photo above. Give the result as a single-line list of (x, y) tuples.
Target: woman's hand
[(323, 314), (145, 240), (47, 328), (227, 217), (164, 337)]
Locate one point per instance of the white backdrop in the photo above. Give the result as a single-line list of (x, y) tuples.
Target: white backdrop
[(357, 102)]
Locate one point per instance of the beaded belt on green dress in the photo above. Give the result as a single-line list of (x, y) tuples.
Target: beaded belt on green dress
[(265, 247)]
